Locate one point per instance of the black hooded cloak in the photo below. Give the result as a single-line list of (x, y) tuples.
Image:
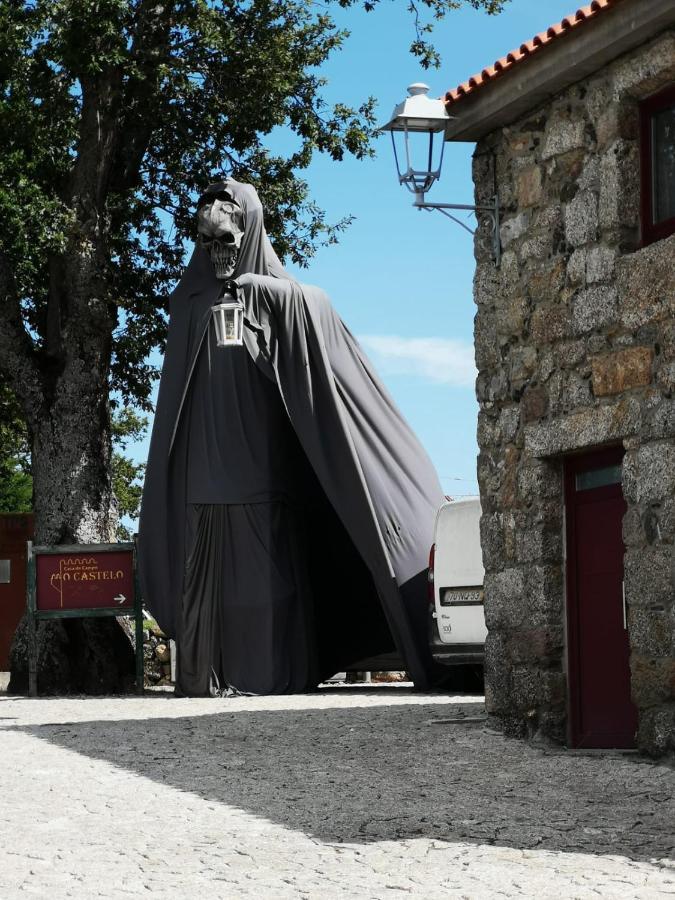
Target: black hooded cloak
[(339, 503)]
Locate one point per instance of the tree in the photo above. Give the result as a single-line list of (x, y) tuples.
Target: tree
[(127, 476), (115, 114), (16, 484)]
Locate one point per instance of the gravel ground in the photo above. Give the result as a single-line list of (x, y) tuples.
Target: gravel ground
[(347, 793)]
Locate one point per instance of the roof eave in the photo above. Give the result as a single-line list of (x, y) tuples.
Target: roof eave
[(543, 75)]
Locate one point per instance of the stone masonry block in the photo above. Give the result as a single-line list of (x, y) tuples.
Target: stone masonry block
[(614, 373), (656, 731), (539, 479), (659, 420), (513, 228), (537, 247), (486, 433), (544, 592), (523, 362), (633, 531), (665, 377), (545, 283), (648, 574), (656, 467), (562, 135), (642, 74), (589, 176), (550, 323), (652, 680), (646, 284), (486, 284), (509, 421), (576, 266), (538, 544), (511, 315), (536, 644), (569, 354), (505, 603), (630, 475), (585, 428), (509, 272), (594, 307), (529, 189), (534, 403), (497, 674), (600, 264), (581, 219), (649, 473), (486, 348), (492, 540), (651, 632), (531, 687), (576, 391), (619, 186), (508, 495)]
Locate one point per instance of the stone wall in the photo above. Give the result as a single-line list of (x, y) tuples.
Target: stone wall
[(575, 348)]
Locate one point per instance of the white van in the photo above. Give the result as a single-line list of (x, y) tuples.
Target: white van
[(456, 579)]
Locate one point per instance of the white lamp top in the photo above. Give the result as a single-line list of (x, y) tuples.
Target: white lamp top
[(418, 112)]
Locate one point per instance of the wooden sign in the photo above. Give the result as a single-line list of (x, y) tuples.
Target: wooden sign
[(84, 580)]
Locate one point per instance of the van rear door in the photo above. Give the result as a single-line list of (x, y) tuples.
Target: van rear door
[(458, 577)]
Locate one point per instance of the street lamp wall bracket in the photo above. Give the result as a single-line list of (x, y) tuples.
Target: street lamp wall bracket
[(491, 209)]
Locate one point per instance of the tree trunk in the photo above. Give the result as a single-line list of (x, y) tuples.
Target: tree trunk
[(74, 504), (63, 386)]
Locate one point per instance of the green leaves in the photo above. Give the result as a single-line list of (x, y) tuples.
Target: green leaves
[(127, 476), (421, 47), (16, 484)]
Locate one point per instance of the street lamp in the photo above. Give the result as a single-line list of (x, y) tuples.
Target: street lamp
[(418, 125)]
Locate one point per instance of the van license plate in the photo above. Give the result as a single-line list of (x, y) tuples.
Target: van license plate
[(462, 596)]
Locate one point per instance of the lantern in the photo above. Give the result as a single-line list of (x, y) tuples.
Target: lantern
[(228, 321), (420, 122)]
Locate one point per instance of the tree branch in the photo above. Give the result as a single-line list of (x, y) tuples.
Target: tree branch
[(153, 30), (18, 364)]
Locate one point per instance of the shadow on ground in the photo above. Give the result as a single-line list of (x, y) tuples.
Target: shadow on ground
[(375, 773)]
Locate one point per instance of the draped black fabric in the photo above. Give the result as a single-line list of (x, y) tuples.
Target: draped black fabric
[(246, 618), (362, 490)]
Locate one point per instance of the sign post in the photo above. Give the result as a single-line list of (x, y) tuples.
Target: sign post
[(82, 581)]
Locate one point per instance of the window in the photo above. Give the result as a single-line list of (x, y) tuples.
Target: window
[(5, 571), (595, 478), (657, 155)]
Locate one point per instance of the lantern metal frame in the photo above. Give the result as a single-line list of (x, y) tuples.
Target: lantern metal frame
[(419, 114), (218, 314)]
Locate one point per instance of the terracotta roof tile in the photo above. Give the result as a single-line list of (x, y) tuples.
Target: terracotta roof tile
[(535, 45)]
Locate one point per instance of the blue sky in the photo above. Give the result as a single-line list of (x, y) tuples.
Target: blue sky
[(401, 278)]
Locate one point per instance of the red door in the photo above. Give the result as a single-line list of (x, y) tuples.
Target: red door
[(15, 530), (601, 713)]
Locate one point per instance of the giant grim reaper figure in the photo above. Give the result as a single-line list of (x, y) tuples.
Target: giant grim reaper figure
[(288, 508)]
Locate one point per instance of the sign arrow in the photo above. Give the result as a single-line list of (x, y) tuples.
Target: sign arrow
[(120, 598)]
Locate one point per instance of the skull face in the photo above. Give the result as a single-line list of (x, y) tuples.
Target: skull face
[(220, 223)]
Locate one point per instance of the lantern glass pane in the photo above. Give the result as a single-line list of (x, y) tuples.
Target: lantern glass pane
[(419, 160), (228, 322), (230, 330)]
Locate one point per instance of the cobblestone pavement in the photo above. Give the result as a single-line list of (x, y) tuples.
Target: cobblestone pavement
[(343, 794)]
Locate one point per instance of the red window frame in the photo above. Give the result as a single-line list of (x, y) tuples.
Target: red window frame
[(651, 231)]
